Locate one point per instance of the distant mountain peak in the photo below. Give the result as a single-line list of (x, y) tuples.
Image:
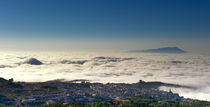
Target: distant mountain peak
[(161, 50), (33, 61)]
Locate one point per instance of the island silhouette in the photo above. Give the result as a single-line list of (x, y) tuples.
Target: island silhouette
[(160, 50)]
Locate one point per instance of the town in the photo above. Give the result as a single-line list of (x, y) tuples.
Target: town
[(50, 92)]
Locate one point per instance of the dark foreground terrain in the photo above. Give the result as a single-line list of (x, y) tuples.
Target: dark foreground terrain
[(136, 102), (79, 93)]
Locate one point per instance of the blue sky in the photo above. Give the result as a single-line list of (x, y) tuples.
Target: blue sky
[(117, 24)]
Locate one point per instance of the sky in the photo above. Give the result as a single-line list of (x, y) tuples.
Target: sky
[(105, 24)]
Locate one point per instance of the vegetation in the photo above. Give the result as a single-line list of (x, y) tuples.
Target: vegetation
[(136, 102)]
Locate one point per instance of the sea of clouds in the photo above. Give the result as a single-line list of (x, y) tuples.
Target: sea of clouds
[(183, 69)]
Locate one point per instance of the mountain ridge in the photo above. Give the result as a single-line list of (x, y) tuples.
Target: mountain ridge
[(161, 50)]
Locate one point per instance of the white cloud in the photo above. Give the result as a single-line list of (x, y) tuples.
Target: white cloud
[(193, 70)]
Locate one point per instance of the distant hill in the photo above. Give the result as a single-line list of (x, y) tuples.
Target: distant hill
[(161, 50), (33, 61)]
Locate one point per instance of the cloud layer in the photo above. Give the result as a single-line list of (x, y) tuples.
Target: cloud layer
[(183, 69)]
